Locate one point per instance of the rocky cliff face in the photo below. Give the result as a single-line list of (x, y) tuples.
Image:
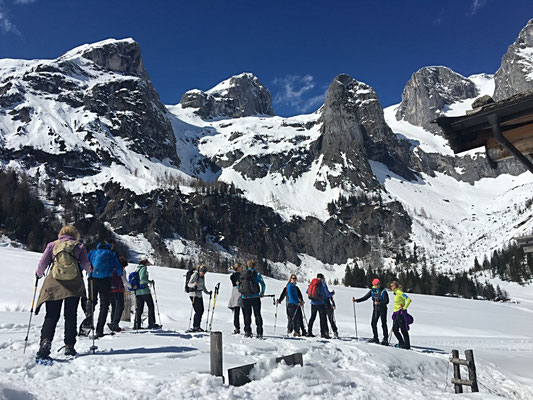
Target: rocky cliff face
[(429, 91), (515, 74), (240, 96), (354, 131)]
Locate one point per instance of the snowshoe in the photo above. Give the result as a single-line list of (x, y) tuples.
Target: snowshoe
[(44, 360)]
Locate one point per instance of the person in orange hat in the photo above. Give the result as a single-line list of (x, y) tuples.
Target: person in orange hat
[(380, 299)]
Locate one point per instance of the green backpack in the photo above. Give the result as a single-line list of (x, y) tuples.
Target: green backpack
[(65, 266)]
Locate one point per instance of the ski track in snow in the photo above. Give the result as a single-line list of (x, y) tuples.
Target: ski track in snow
[(174, 364)]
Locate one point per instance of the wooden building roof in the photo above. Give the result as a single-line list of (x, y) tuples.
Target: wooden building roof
[(504, 128)]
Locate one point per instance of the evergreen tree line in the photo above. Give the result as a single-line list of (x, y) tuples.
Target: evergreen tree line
[(426, 282), (509, 264)]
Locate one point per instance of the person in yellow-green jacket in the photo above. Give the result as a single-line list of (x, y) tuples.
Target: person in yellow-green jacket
[(401, 318)]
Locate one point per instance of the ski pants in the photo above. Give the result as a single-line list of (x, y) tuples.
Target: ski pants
[(330, 312), (399, 325), (294, 318), (117, 307), (376, 315), (198, 306), (53, 312), (102, 289), (236, 317), (254, 304), (321, 310), (139, 308)]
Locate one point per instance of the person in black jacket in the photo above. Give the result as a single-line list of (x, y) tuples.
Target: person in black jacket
[(380, 298), (295, 303)]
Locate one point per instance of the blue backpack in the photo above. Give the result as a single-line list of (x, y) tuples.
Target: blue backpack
[(134, 281), (103, 260)]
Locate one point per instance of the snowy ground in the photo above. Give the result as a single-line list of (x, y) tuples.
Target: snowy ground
[(174, 364)]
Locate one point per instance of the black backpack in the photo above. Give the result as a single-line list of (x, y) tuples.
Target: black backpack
[(187, 280), (247, 285)]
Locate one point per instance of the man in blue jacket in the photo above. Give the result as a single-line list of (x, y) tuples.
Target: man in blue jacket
[(318, 305), (252, 288), (104, 261)]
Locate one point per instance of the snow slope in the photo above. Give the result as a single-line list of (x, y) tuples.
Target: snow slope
[(173, 364)]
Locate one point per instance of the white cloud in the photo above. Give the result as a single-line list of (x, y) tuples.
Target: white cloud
[(477, 5), (6, 26), (294, 91)]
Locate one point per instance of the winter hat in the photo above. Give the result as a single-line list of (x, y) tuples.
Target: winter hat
[(375, 282), (203, 269)]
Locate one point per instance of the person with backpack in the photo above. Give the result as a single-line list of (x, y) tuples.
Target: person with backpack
[(140, 282), (104, 261), (318, 293), (235, 301), (380, 299), (295, 302), (117, 296), (252, 288), (63, 287), (401, 318), (196, 286)]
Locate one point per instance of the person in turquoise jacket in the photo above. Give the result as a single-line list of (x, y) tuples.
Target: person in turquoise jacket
[(144, 295), (400, 317)]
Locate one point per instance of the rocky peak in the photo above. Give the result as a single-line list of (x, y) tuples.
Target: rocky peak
[(239, 96), (429, 90), (122, 56), (354, 131), (515, 74)]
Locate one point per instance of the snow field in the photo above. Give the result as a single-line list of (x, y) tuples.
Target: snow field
[(174, 364)]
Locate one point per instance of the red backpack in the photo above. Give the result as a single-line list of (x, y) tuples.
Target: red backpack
[(314, 291)]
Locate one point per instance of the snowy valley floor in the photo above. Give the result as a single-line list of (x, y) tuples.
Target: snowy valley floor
[(172, 364)]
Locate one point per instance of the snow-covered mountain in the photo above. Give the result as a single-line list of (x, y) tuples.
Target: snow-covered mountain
[(306, 193)]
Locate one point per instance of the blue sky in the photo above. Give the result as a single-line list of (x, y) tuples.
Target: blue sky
[(295, 47)]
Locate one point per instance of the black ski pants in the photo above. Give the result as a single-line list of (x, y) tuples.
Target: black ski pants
[(139, 308), (330, 312), (198, 306), (53, 312), (294, 318), (397, 326), (236, 317), (102, 289), (376, 315), (249, 305), (321, 310), (117, 307)]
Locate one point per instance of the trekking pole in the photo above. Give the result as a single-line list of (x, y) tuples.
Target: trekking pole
[(355, 321), (192, 308), (156, 304), (31, 312), (217, 287), (208, 309), (93, 348), (275, 315), (305, 318)]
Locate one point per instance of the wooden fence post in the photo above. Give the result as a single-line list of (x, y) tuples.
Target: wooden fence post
[(216, 354), (469, 354), (126, 314), (457, 372)]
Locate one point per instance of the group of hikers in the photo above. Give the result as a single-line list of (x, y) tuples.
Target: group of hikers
[(67, 257)]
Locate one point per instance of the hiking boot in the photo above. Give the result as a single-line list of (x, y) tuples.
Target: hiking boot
[(374, 340), (259, 336), (385, 342), (44, 349), (335, 335), (248, 334), (157, 326), (297, 334), (236, 331), (70, 350), (310, 334), (326, 336), (98, 334), (114, 327)]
